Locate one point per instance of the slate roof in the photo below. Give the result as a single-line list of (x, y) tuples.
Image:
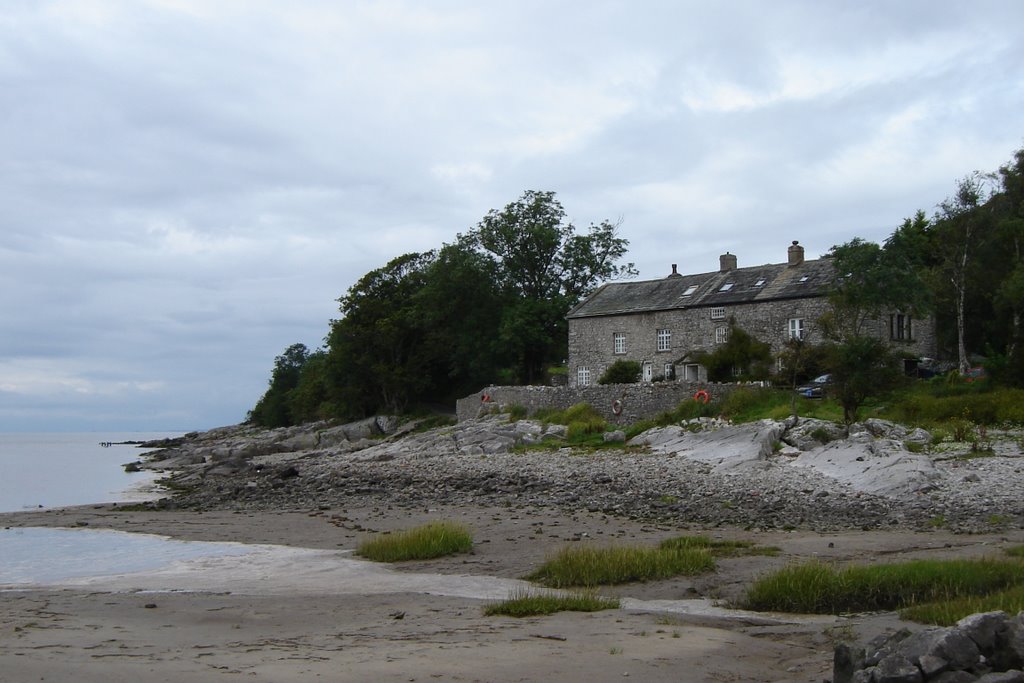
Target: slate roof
[(769, 282)]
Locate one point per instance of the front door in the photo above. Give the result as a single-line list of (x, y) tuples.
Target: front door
[(648, 371)]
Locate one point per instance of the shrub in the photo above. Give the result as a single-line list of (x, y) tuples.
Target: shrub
[(621, 372), (516, 412), (436, 539)]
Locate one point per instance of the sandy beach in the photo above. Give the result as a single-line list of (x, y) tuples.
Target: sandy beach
[(301, 615)]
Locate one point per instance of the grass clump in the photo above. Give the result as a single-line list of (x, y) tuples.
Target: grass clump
[(818, 588), (589, 566), (426, 542), (1015, 551), (718, 548), (529, 603), (948, 612)]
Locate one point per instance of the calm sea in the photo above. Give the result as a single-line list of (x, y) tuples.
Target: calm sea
[(56, 470)]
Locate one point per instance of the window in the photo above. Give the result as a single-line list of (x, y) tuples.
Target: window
[(691, 372), (664, 340), (796, 328), (718, 313), (900, 327), (670, 371), (805, 278), (760, 282), (583, 376), (690, 290), (618, 343), (726, 287), (721, 335)]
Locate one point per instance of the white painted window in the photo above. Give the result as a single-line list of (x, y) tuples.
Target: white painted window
[(900, 327), (583, 376), (618, 343), (760, 282), (721, 335), (691, 372), (718, 313), (726, 287), (670, 371), (690, 290), (796, 328), (664, 340)]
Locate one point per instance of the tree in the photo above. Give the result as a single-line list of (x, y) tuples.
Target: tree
[(272, 410), (860, 367), (961, 226), (741, 357), (543, 269)]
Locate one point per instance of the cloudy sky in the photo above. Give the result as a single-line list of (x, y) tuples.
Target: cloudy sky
[(187, 186)]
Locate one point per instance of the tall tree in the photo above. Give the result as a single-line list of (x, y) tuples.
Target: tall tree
[(544, 268), (961, 226), (272, 410)]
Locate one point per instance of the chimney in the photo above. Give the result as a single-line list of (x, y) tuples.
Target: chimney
[(675, 271), (796, 254), (727, 262)]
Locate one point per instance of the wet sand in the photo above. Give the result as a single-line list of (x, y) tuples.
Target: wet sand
[(297, 615)]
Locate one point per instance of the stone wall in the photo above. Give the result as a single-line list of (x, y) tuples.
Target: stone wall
[(639, 401)]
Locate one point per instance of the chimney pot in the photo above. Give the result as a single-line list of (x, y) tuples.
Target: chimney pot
[(675, 271), (727, 262), (796, 254)]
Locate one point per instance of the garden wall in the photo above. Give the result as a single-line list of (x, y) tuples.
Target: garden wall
[(639, 401)]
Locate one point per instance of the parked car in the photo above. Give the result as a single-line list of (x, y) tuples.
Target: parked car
[(816, 387)]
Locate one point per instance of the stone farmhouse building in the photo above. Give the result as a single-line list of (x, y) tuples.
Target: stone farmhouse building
[(664, 324)]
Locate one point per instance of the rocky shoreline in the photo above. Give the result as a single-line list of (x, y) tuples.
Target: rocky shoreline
[(767, 475)]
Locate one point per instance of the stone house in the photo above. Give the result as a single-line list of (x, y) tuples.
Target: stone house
[(663, 324)]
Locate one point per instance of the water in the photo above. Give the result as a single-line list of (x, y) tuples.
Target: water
[(57, 470), (34, 555)]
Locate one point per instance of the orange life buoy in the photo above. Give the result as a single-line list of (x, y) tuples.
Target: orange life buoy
[(485, 398), (702, 396), (617, 407)]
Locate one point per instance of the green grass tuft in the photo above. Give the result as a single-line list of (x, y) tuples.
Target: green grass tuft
[(948, 612), (586, 566), (426, 542), (718, 548), (818, 588), (1015, 551), (529, 603)]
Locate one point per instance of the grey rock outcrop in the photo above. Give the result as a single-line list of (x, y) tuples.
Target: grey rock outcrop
[(986, 647)]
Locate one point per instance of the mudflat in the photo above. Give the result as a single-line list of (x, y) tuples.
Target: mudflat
[(297, 616)]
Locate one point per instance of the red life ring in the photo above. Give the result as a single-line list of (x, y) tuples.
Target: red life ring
[(702, 396), (617, 407), (485, 398)]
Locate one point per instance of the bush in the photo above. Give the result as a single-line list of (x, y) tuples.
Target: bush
[(426, 542), (621, 372)]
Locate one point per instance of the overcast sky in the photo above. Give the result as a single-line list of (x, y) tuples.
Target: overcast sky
[(187, 186)]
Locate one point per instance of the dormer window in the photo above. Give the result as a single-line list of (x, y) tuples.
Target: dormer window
[(726, 287), (690, 290)]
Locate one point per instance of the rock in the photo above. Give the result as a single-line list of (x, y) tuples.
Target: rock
[(1013, 676), (617, 436), (983, 628), (896, 669), (845, 661)]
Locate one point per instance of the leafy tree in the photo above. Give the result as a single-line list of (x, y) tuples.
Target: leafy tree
[(961, 227), (621, 372), (377, 357), (860, 367), (741, 357), (544, 268), (272, 410)]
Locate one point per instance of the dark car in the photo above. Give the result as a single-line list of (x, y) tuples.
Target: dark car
[(816, 387)]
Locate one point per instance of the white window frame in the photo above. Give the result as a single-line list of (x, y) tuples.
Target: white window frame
[(721, 334), (796, 328), (718, 313), (618, 343), (669, 370), (664, 340), (690, 290), (583, 376)]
